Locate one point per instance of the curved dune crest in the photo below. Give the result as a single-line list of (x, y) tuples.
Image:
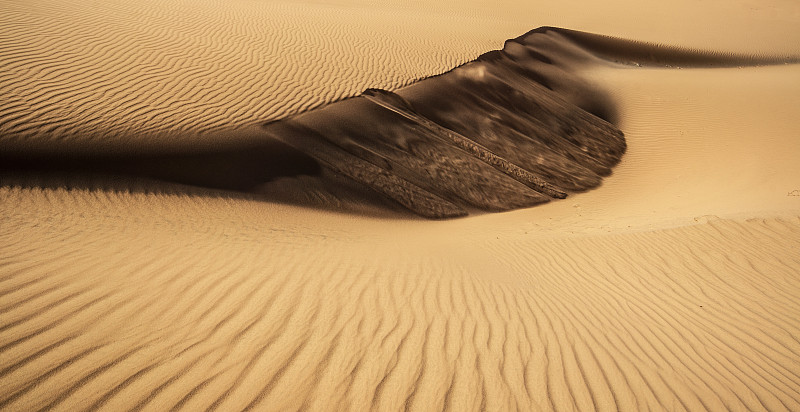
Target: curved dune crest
[(492, 134), (504, 131), (641, 54), (511, 110)]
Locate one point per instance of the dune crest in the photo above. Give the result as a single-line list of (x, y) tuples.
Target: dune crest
[(502, 132), (505, 131)]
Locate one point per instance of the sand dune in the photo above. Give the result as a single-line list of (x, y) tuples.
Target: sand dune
[(505, 131), (671, 286)]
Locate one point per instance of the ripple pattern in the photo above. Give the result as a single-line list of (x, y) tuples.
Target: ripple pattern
[(120, 71), (690, 318)]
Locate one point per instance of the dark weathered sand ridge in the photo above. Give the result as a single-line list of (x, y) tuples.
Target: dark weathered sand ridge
[(505, 131), (638, 53), (514, 128), (493, 134)]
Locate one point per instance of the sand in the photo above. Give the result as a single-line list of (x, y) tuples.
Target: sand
[(671, 286)]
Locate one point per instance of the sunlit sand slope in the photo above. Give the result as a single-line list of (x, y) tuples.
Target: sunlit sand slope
[(139, 308), (118, 71), (166, 297)]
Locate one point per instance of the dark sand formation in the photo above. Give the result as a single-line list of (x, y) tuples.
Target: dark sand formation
[(505, 131), (514, 128)]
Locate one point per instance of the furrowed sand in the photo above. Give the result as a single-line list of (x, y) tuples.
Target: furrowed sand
[(672, 286)]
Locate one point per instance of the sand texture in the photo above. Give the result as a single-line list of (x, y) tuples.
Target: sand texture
[(428, 317), (494, 134), (159, 251)]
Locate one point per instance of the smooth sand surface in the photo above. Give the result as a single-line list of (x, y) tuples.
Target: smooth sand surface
[(672, 286)]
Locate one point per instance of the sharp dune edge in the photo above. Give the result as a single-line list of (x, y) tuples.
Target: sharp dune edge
[(672, 286)]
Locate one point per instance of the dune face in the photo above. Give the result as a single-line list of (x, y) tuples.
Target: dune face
[(128, 281), (491, 134), (505, 131)]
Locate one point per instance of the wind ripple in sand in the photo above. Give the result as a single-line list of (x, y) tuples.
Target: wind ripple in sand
[(630, 321), (133, 72)]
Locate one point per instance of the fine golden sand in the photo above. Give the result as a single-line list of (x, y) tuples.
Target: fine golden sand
[(673, 286)]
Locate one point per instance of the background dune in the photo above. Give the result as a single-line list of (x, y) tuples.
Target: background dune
[(132, 72), (672, 286)]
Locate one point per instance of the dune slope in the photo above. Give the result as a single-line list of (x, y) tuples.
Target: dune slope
[(143, 308)]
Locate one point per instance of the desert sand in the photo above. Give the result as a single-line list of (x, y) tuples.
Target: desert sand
[(671, 286)]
